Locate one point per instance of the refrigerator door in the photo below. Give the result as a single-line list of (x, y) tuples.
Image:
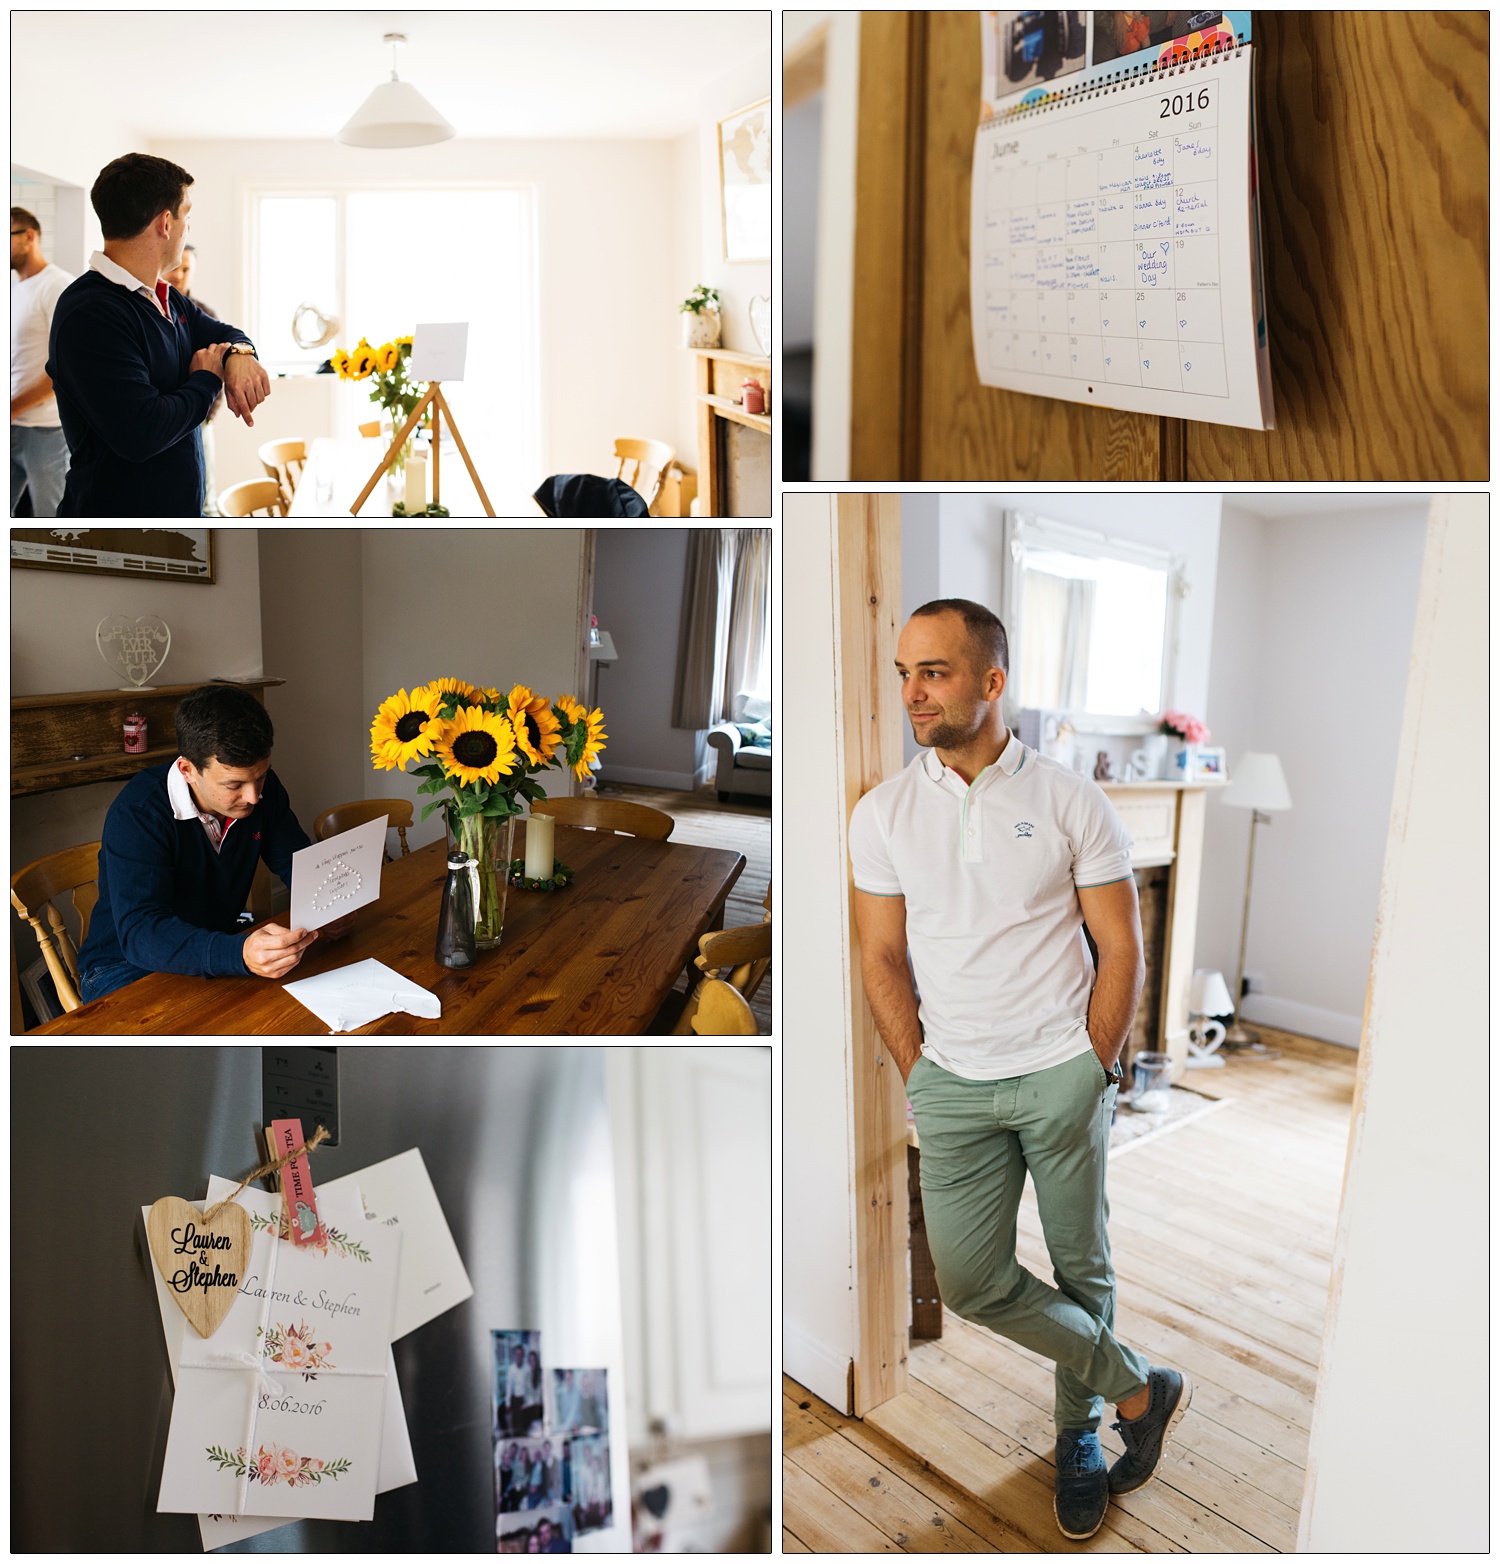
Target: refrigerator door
[(517, 1143)]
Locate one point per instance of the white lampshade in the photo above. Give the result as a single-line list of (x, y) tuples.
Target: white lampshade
[(1210, 995), (395, 115), (1257, 783)]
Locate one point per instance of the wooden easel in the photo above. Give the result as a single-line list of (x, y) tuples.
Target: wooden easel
[(432, 397)]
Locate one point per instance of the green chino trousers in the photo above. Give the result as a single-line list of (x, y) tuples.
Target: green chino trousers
[(979, 1140)]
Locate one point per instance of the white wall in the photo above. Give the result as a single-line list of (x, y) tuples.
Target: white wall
[(687, 256), (737, 281), (638, 582), (215, 628), (801, 157), (1310, 651), (833, 329), (606, 276), (819, 1313), (1406, 1343), (494, 605)]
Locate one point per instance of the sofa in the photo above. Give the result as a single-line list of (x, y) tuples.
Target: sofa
[(744, 750)]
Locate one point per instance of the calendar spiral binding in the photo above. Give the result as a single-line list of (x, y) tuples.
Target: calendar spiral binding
[(1117, 81)]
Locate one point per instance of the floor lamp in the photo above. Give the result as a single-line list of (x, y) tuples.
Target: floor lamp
[(1258, 785)]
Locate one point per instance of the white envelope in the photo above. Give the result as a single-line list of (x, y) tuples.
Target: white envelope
[(332, 878), (313, 1416), (397, 1466), (432, 1278), (353, 996)]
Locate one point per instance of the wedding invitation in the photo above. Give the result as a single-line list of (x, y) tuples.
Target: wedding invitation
[(281, 1412)]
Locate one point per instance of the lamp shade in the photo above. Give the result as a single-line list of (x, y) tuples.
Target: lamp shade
[(1210, 996), (1257, 783), (395, 115)]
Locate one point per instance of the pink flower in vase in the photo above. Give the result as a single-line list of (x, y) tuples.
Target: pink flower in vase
[(1182, 726)]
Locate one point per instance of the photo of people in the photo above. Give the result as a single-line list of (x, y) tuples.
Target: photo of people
[(586, 1486), (518, 1384), (1118, 33), (528, 1474), (580, 1401), (544, 1531), (1036, 46)]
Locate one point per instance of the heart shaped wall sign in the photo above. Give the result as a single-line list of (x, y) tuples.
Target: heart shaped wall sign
[(201, 1257), (133, 649)]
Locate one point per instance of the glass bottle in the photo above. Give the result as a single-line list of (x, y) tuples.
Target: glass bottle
[(455, 932)]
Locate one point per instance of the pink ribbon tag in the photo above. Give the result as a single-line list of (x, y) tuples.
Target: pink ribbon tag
[(304, 1226)]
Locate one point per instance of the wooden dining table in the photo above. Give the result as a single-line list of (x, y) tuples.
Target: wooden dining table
[(337, 471), (597, 957)]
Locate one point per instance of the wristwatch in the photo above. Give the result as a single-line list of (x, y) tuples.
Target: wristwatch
[(1116, 1074), (239, 347)]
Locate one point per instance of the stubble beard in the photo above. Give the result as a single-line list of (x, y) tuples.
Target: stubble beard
[(945, 733)]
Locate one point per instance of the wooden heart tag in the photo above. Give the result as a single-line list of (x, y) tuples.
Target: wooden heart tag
[(201, 1256)]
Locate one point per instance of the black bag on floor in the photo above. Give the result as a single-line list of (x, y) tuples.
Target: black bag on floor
[(584, 494)]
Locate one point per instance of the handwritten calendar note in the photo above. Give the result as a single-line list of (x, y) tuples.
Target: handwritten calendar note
[(1112, 248)]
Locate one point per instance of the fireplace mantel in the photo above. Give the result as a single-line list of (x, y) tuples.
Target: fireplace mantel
[(720, 372), (1165, 819)]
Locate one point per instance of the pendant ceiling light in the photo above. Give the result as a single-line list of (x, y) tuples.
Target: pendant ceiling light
[(395, 114)]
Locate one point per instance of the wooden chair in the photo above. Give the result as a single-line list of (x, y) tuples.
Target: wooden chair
[(648, 461), (258, 497), (74, 869), (739, 957), (284, 461), (608, 814), (723, 1011), (344, 817)]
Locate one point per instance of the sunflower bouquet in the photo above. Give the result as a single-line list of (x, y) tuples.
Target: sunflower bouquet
[(484, 748), (389, 367)]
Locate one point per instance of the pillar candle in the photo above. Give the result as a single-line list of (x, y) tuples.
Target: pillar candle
[(416, 484), (539, 856)]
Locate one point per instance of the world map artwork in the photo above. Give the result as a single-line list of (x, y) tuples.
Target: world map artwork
[(745, 160), (182, 553)]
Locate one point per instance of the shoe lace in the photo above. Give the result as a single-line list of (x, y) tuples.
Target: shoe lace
[(1078, 1457)]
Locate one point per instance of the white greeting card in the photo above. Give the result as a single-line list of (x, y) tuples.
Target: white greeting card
[(280, 1412), (332, 878), (340, 1210), (399, 1193), (438, 352)]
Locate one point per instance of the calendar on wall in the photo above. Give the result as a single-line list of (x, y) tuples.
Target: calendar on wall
[(1114, 245)]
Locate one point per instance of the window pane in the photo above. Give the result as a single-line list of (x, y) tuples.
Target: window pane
[(296, 263), (457, 255)]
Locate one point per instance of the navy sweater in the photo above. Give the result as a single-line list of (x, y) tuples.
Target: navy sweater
[(167, 901), (130, 410)]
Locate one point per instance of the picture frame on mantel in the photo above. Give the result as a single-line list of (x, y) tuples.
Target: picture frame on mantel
[(745, 182), (141, 553)]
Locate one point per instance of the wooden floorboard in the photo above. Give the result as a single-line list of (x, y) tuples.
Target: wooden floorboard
[(702, 821), (1222, 1237)]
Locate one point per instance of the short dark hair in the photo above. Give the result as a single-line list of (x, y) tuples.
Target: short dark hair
[(986, 633), (19, 214), (134, 191), (225, 722)]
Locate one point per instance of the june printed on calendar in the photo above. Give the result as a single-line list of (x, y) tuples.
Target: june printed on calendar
[(280, 1412), (1113, 247)]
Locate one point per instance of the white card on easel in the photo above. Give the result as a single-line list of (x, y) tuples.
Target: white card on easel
[(438, 352)]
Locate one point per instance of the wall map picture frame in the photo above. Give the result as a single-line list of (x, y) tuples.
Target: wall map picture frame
[(143, 553)]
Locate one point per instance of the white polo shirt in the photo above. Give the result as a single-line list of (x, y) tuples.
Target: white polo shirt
[(990, 873)]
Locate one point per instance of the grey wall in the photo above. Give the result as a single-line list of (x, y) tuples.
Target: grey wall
[(801, 159), (638, 581)]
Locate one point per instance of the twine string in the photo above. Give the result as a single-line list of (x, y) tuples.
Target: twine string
[(319, 1135)]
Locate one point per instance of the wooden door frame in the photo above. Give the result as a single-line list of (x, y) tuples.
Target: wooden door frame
[(867, 579)]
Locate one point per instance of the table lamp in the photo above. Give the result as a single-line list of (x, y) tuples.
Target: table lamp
[(1209, 997), (1258, 785)]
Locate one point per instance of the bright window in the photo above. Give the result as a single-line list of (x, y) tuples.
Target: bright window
[(383, 261)]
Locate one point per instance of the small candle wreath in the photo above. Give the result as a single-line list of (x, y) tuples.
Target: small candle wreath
[(399, 509), (561, 875)]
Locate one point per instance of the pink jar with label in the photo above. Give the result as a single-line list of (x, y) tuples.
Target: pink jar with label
[(755, 396), (135, 734)]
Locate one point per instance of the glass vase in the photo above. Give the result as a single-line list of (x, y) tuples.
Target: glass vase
[(488, 840)]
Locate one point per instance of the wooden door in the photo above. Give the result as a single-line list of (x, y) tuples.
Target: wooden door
[(1373, 156)]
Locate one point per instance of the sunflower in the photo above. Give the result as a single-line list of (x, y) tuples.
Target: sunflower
[(460, 691), (593, 745), (538, 732), (477, 746), (405, 727), (361, 360), (571, 709), (340, 362), (387, 357)]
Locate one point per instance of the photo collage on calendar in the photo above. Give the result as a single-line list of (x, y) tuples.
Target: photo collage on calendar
[(551, 1435), (1030, 54)]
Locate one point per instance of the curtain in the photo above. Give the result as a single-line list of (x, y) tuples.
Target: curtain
[(723, 647), (1057, 617)]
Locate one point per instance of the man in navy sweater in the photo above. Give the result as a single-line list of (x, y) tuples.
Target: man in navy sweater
[(135, 365), (181, 842)]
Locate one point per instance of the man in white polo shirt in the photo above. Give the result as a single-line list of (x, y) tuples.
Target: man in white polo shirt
[(984, 862), (38, 450)]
